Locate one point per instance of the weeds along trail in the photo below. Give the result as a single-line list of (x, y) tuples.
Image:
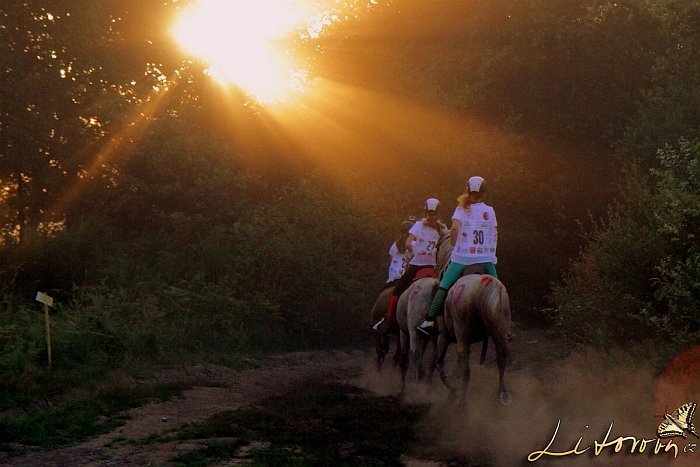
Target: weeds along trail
[(548, 381), (220, 388), (143, 439)]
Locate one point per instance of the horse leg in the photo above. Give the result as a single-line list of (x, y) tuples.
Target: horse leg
[(420, 371), (463, 364), (443, 342), (382, 348), (397, 353), (415, 361), (403, 362), (433, 360), (404, 369), (502, 359)]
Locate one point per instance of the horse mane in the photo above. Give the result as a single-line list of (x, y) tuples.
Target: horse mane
[(444, 251)]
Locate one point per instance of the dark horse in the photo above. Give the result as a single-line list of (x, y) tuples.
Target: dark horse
[(477, 307), (382, 342)]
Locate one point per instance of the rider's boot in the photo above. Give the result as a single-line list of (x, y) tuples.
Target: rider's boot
[(428, 325), (385, 324), (375, 326)]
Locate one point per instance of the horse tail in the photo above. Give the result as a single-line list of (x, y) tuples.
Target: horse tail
[(497, 302), (484, 348), (492, 296), (504, 302)]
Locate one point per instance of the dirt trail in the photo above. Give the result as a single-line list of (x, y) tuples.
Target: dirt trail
[(226, 389), (222, 388)]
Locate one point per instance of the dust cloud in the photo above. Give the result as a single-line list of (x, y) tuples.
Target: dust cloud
[(584, 393)]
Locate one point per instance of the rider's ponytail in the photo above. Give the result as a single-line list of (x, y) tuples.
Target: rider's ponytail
[(468, 198), (465, 200), (401, 243), (433, 223)]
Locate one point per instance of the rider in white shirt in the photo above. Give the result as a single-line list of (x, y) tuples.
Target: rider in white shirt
[(400, 256), (422, 241), (474, 236)]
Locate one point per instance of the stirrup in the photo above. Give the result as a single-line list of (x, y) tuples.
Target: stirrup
[(375, 326), (427, 327)]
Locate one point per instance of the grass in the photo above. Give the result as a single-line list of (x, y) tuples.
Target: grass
[(66, 406), (330, 424), (72, 421)]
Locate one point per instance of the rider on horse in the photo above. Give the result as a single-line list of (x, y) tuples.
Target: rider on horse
[(474, 236), (422, 241), (399, 254)]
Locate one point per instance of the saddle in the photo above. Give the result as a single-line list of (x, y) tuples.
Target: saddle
[(425, 272), (474, 269)]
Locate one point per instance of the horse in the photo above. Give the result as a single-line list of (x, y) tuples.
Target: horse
[(411, 309), (382, 341), (477, 307)]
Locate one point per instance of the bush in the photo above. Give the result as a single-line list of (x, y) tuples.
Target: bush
[(289, 273), (679, 219), (639, 272)]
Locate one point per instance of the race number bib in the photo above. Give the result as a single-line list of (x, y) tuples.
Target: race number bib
[(478, 235)]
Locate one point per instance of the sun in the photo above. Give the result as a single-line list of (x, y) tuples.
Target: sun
[(242, 43)]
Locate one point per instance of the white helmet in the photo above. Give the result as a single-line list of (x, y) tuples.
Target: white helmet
[(432, 204), (476, 184)]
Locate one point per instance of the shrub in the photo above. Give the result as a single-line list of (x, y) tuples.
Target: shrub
[(288, 273), (639, 272)]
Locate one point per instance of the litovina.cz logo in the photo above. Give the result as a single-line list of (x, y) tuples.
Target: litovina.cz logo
[(677, 424)]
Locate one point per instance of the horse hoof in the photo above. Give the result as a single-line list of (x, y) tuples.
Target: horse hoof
[(505, 398)]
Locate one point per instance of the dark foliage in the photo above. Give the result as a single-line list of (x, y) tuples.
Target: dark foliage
[(170, 218)]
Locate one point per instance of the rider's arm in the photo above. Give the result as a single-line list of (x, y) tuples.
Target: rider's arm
[(409, 242), (454, 231)]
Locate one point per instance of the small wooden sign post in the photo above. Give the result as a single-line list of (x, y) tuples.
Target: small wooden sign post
[(47, 302)]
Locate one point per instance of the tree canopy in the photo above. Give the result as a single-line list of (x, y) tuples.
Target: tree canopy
[(138, 189)]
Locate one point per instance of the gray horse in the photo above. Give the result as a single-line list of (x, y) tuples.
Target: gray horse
[(477, 307), (411, 309)]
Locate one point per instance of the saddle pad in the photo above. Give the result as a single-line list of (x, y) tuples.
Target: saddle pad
[(425, 272)]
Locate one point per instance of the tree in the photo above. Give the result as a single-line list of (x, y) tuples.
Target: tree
[(642, 267), (669, 106), (68, 100)]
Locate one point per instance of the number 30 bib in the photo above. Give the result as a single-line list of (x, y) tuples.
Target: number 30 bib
[(478, 236)]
